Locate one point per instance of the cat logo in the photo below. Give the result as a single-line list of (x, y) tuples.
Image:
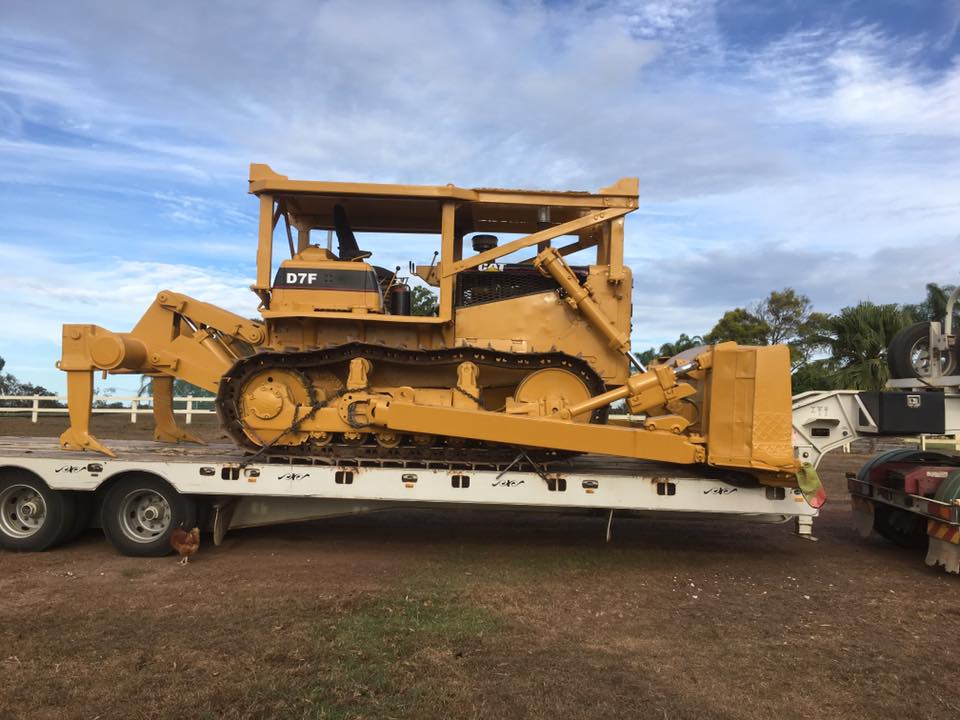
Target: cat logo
[(913, 401)]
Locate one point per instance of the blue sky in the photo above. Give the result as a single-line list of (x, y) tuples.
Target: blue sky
[(804, 143)]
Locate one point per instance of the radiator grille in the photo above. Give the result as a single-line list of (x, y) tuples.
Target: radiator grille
[(482, 286)]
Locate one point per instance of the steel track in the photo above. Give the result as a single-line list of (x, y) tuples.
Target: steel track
[(448, 452)]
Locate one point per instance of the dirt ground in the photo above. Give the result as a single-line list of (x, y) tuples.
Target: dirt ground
[(483, 614)]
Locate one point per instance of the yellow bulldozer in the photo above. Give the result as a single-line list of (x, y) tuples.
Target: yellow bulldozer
[(524, 353)]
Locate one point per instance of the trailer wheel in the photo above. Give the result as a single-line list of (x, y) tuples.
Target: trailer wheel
[(908, 355), (139, 513), (900, 527), (901, 455), (32, 516)]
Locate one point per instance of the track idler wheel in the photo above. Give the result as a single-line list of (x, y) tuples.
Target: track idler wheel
[(546, 392)]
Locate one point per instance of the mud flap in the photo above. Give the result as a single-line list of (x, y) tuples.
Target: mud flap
[(863, 512), (223, 514), (944, 546), (941, 552), (810, 486)]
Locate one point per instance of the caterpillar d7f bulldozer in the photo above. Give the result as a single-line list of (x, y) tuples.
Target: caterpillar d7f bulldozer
[(524, 355)]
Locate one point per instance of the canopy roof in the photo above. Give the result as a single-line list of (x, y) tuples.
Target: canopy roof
[(373, 207)]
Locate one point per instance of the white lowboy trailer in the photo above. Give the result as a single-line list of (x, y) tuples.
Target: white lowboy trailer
[(48, 495), (141, 492)]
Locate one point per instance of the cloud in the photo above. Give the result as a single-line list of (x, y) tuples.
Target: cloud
[(952, 24), (860, 79), (693, 291), (808, 157), (57, 288), (203, 212), (480, 93)]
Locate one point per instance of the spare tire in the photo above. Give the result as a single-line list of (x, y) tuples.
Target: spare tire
[(908, 355), (901, 527)]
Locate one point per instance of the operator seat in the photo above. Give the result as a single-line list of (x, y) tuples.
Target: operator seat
[(347, 247), (349, 250)]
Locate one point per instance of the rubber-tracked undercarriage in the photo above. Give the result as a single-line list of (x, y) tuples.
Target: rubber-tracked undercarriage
[(524, 353)]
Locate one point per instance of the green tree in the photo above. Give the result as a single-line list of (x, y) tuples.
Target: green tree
[(181, 388), (10, 385), (813, 375), (684, 342), (423, 301), (741, 326), (858, 338), (648, 356), (791, 321), (669, 349), (934, 305), (784, 311)]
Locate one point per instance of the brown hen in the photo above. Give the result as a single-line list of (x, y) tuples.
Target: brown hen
[(185, 543)]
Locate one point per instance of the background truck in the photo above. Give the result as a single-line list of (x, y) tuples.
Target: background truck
[(910, 496)]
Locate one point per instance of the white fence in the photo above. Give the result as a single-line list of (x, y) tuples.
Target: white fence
[(138, 404), (144, 404)]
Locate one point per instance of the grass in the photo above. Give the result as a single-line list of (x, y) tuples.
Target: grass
[(393, 652), (383, 658), (541, 621)]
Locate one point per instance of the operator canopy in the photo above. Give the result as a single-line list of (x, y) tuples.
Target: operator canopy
[(387, 208)]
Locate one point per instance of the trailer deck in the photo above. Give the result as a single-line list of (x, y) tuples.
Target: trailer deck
[(246, 492)]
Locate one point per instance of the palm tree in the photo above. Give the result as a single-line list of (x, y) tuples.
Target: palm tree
[(858, 338), (684, 342), (934, 306), (936, 302)]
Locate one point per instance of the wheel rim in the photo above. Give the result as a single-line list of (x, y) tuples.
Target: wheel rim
[(144, 515), (23, 511), (920, 359)]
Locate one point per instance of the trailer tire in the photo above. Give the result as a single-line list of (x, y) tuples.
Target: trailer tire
[(907, 344), (33, 517), (901, 455), (139, 513), (900, 527)]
